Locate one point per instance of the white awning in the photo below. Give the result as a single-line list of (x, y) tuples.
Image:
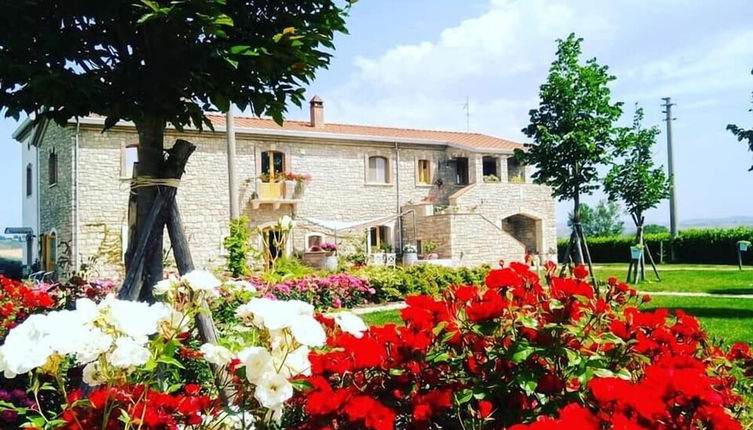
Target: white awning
[(336, 226)]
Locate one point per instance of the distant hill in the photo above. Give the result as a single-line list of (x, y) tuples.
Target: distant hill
[(563, 231)]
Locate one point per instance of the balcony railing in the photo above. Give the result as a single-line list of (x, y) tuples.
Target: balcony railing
[(276, 194)]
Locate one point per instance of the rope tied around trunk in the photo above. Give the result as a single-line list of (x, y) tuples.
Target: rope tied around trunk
[(150, 181)]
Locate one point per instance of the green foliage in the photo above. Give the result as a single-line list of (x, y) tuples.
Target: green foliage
[(238, 247), (572, 128), (655, 228), (172, 60), (396, 283), (603, 220), (286, 269), (635, 180), (742, 133), (696, 246)]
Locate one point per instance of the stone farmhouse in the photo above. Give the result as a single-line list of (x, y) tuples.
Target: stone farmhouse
[(371, 189)]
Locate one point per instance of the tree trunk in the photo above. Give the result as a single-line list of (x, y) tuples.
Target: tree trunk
[(151, 131), (576, 225)]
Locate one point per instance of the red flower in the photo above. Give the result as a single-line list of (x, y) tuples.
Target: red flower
[(580, 272)]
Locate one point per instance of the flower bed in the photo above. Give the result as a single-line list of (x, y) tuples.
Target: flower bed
[(521, 355), (339, 290), (515, 353)]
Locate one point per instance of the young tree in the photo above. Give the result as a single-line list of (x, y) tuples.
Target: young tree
[(743, 134), (572, 130), (635, 180), (603, 220), (156, 62)]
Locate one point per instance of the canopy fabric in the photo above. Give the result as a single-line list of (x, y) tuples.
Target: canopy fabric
[(336, 226)]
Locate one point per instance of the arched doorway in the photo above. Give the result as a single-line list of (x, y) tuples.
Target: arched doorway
[(525, 229)]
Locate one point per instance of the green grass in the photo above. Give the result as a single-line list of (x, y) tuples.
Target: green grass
[(382, 318), (728, 319), (687, 278)]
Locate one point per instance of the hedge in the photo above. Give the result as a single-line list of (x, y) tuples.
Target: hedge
[(696, 246)]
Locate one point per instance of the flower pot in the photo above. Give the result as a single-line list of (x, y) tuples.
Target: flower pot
[(298, 192), (289, 189), (410, 258), (636, 253), (432, 256), (329, 262), (270, 190)]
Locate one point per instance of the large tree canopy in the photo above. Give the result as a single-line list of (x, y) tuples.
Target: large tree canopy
[(155, 62), (169, 59), (635, 180), (572, 128)]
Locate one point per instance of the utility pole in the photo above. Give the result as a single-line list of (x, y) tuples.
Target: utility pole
[(232, 187), (671, 170)]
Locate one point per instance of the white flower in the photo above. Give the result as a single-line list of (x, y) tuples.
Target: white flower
[(135, 319), (258, 362), (216, 354), (286, 223), (307, 331), (201, 280), (96, 343), (293, 363), (128, 353), (164, 286), (351, 323), (273, 390), (177, 322), (92, 375)]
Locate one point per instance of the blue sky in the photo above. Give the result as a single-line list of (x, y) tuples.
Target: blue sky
[(413, 63)]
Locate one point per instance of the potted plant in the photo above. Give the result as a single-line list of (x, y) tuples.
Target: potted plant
[(410, 255), (386, 248), (295, 183), (636, 252), (330, 260), (429, 247)]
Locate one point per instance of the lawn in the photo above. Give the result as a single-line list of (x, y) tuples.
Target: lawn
[(728, 319), (687, 278)]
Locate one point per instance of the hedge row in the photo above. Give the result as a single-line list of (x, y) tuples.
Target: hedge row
[(697, 246)]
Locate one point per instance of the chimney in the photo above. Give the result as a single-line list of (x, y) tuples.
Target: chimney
[(317, 112)]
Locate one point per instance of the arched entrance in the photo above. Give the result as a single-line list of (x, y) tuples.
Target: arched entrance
[(525, 229)]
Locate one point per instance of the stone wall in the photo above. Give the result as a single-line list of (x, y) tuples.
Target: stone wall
[(338, 191), (55, 201)]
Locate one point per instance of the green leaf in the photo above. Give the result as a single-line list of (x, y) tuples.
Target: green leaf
[(223, 20), (522, 354), (463, 396)]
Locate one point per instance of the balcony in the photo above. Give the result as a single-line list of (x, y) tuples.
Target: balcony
[(276, 194)]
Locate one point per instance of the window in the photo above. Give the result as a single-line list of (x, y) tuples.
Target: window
[(314, 239), (272, 165), (129, 156), (424, 172), (29, 181), (52, 168), (514, 171), (461, 171), (380, 239), (490, 166), (378, 173)]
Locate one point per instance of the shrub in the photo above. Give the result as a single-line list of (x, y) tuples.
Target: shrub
[(396, 283), (518, 352), (338, 290), (697, 246), (238, 247)]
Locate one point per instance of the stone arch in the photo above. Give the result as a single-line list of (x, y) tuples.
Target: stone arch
[(527, 228)]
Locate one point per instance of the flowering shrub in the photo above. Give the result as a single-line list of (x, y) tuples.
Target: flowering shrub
[(132, 354), (516, 351), (328, 247), (66, 293), (18, 301), (338, 290)]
